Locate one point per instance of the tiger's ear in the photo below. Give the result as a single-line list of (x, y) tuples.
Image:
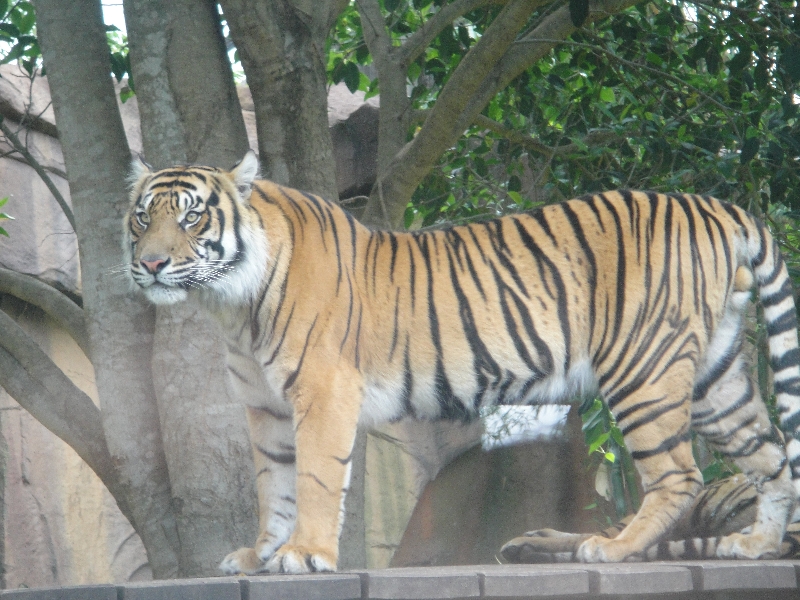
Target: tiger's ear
[(244, 173), (139, 169)]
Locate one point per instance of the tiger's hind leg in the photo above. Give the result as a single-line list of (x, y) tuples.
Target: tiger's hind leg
[(652, 408), (729, 413)]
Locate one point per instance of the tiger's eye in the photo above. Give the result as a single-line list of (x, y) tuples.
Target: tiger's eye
[(191, 217), (143, 218)]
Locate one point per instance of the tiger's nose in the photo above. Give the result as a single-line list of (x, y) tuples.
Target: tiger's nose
[(153, 264)]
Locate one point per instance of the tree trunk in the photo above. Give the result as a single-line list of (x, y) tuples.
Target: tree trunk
[(120, 326), (281, 44), (190, 113)]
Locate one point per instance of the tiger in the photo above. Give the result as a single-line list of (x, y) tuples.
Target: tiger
[(721, 508), (636, 296)]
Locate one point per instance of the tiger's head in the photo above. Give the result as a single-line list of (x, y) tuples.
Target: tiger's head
[(191, 228)]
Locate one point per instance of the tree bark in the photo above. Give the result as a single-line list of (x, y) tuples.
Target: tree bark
[(57, 305), (392, 64), (490, 65), (190, 113), (281, 44), (75, 53), (187, 100)]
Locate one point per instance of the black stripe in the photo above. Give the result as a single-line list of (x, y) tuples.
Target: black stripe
[(651, 416), (293, 376), (785, 322), (408, 383), (779, 296), (561, 295), (716, 416), (393, 244), (668, 444), (621, 283), (282, 458), (790, 358), (788, 386), (762, 251), (482, 358), (338, 253), (718, 370), (776, 270), (451, 407)]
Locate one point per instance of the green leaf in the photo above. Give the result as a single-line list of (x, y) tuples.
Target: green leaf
[(749, 150), (790, 62), (655, 59), (601, 439), (578, 11), (607, 95), (610, 457)]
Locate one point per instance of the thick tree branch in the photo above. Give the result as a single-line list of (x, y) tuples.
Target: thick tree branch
[(41, 388), (479, 77), (375, 34), (34, 164), (410, 165), (57, 306)]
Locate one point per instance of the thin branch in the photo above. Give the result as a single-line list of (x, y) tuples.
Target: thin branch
[(54, 303), (22, 149), (660, 73), (598, 136), (417, 42), (525, 52), (41, 388)]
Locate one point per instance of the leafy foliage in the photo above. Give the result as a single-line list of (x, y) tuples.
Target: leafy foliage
[(4, 216), (18, 35)]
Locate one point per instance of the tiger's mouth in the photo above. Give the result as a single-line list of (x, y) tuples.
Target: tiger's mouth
[(163, 294)]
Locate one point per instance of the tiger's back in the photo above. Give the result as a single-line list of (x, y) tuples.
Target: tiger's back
[(531, 308), (637, 296)]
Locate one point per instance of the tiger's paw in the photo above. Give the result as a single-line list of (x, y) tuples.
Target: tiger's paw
[(601, 550), (244, 560), (542, 546), (747, 546), (298, 559)]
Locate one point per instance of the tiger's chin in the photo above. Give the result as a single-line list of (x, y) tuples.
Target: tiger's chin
[(164, 295)]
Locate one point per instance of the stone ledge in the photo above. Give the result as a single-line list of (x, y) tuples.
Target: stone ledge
[(689, 580)]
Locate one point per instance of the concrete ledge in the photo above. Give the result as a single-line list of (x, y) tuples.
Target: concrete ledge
[(338, 586), (691, 580)]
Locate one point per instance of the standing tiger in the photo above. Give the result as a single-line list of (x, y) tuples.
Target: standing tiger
[(636, 296)]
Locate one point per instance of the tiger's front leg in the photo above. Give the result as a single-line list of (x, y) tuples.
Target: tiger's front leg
[(272, 441), (327, 407)]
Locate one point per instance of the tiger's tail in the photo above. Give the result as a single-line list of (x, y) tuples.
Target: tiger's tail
[(777, 299)]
